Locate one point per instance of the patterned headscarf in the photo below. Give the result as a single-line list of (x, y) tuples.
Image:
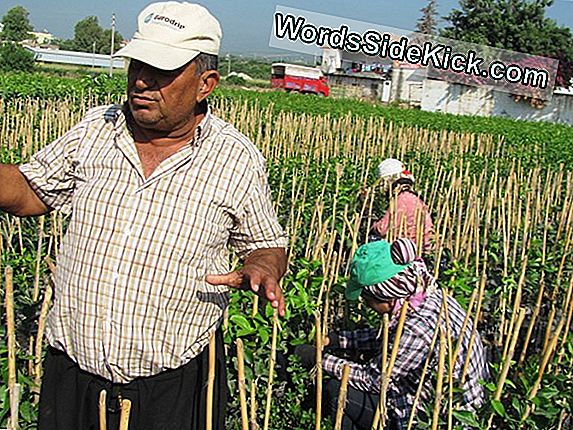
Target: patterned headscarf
[(414, 283)]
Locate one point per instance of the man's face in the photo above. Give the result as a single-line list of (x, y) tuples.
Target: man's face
[(162, 100)]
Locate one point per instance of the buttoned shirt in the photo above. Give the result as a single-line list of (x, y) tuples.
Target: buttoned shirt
[(414, 348), (131, 298)]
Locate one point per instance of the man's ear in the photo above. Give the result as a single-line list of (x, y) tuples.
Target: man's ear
[(208, 81)]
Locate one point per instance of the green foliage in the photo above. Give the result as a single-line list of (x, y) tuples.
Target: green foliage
[(517, 25), (16, 25), (89, 36), (291, 396), (53, 87), (293, 406), (529, 142), (14, 57), (235, 80), (254, 68)]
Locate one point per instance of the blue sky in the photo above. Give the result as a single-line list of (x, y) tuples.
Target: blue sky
[(246, 25)]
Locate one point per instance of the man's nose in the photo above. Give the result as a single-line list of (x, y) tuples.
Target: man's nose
[(144, 77)]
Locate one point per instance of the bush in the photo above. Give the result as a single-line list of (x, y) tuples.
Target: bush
[(235, 80), (14, 57)]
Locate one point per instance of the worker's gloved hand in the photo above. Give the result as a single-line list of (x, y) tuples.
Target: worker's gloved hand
[(307, 355), (332, 341)]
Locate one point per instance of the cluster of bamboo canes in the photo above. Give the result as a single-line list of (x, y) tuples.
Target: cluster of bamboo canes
[(489, 220)]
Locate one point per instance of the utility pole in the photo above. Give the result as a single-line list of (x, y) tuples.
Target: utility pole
[(93, 54), (112, 44), (228, 64)]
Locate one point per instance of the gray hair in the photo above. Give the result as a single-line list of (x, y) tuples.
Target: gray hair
[(205, 62)]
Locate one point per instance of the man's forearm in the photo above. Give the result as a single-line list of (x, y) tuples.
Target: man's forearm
[(16, 195), (270, 260)]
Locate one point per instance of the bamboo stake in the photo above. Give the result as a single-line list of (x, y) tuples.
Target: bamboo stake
[(474, 328), (440, 380), (210, 383), (102, 410), (533, 320), (544, 362), (396, 345), (342, 397), (271, 370), (393, 356), (425, 370), (562, 419), (380, 417), (253, 406), (32, 369), (451, 359), (507, 361), (549, 327), (319, 343), (242, 385), (39, 340), (13, 386), (569, 310), (516, 304), (124, 415), (465, 323), (36, 292)]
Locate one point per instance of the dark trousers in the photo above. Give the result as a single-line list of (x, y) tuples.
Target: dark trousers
[(172, 400), (360, 406)]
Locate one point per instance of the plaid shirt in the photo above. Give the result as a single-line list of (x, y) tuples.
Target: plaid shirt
[(412, 353), (130, 296)]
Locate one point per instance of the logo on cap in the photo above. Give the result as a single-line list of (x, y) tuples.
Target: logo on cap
[(148, 18)]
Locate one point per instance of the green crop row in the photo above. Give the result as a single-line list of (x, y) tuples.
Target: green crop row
[(525, 138), (318, 199)]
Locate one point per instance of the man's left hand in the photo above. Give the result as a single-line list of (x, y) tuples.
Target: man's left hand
[(261, 274)]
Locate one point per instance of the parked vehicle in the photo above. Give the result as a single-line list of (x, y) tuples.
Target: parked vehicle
[(292, 77)]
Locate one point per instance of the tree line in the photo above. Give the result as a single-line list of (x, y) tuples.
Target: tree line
[(89, 36), (514, 25)]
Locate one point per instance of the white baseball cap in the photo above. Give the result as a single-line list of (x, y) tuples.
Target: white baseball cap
[(391, 169), (170, 34)]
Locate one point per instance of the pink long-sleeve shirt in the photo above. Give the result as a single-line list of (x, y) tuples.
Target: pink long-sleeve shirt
[(407, 206)]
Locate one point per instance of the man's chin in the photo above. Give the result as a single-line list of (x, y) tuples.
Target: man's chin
[(145, 119)]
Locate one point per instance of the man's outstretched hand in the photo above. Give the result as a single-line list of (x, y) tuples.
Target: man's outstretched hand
[(261, 274)]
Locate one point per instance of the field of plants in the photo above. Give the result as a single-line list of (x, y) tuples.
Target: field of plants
[(501, 195)]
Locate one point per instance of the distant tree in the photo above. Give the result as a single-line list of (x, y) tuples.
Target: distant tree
[(89, 36), (86, 33), (14, 57), (16, 24), (517, 25), (427, 23)]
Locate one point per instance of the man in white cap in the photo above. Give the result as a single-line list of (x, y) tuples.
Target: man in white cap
[(156, 189)]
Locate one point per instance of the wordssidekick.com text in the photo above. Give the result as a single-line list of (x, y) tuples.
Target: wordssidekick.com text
[(429, 53)]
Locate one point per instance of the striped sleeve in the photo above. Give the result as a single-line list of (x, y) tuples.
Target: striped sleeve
[(50, 172), (363, 377)]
